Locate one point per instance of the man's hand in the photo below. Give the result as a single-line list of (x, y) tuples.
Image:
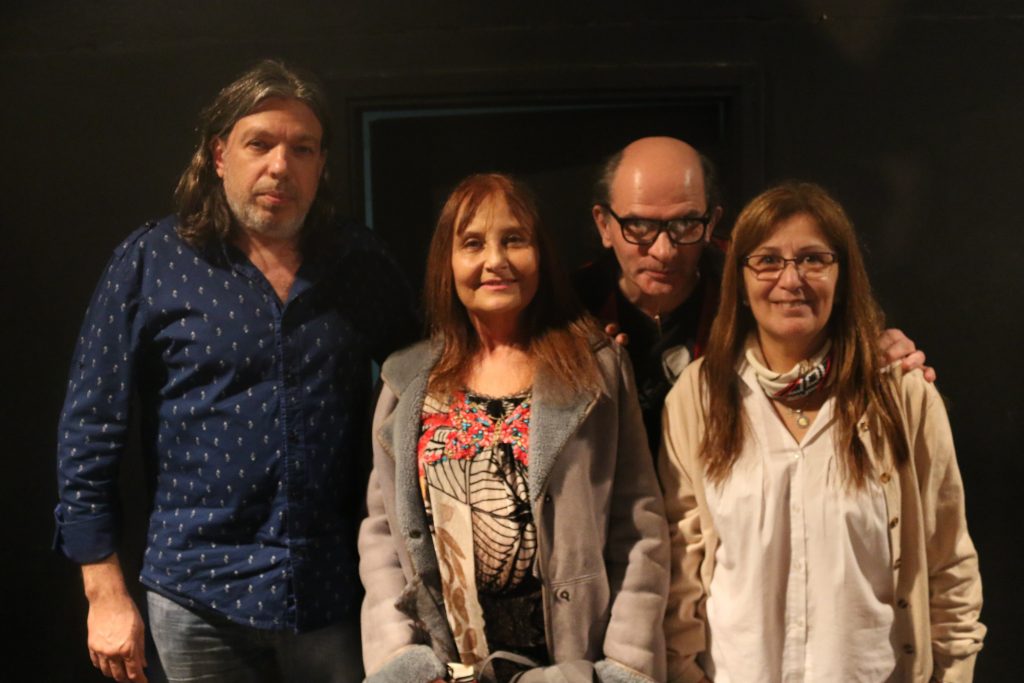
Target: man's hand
[(896, 346), (620, 338), (116, 634)]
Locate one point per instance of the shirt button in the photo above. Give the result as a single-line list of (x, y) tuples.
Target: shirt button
[(414, 533), (885, 477), (547, 497), (901, 603), (893, 522), (898, 563), (563, 595), (908, 648)]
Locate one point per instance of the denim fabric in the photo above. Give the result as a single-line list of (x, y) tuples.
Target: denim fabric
[(198, 648)]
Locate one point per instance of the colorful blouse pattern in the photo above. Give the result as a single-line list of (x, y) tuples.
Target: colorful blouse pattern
[(467, 428), (472, 456)]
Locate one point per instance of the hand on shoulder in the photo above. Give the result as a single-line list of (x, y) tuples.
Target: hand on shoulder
[(896, 346)]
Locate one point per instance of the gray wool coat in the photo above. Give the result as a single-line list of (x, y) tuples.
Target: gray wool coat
[(603, 540)]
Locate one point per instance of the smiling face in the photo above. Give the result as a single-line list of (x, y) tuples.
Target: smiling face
[(271, 163), (792, 312), (495, 264)]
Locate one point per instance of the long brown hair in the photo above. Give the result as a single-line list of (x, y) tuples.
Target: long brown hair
[(558, 330), (856, 380), (203, 213)]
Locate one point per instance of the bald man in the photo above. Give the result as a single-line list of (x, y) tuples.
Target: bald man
[(655, 208), (658, 283)]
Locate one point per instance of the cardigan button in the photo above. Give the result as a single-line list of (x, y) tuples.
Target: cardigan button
[(898, 563), (547, 497), (414, 533), (908, 648), (885, 477), (563, 595), (893, 522), (901, 603)]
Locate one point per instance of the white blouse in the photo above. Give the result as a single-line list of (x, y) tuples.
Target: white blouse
[(802, 589)]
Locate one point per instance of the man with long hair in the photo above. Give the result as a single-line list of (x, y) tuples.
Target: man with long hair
[(245, 326)]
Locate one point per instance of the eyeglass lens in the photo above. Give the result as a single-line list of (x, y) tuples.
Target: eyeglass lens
[(680, 230), (770, 267)]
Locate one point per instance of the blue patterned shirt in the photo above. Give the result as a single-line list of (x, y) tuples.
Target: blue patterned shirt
[(253, 412)]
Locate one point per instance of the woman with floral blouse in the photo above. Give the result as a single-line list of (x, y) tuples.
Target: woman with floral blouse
[(515, 526)]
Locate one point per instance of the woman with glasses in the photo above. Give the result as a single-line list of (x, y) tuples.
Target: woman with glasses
[(816, 511), (515, 523)]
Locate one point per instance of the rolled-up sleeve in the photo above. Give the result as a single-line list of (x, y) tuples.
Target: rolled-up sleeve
[(94, 420)]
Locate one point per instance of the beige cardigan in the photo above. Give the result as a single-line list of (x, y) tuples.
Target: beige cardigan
[(939, 637)]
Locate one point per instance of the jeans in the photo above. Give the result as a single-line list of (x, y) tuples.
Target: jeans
[(198, 648)]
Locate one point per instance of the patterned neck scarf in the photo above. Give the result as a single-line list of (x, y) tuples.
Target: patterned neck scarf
[(803, 379)]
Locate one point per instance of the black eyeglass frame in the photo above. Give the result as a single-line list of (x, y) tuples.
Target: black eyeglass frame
[(776, 273), (662, 226)]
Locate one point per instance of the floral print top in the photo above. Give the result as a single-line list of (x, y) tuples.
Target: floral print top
[(473, 455)]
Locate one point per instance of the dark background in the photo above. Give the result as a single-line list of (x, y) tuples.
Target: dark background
[(910, 112)]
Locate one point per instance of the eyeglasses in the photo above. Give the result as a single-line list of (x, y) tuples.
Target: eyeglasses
[(811, 266), (645, 231)]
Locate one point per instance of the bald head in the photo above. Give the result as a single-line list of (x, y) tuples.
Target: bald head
[(656, 179), (665, 169), (661, 167)]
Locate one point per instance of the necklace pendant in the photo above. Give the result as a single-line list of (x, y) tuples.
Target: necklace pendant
[(801, 419)]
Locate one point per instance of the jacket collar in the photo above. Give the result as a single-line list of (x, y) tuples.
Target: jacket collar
[(406, 373), (554, 417)]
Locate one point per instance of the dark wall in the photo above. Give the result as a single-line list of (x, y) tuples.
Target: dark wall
[(909, 111)]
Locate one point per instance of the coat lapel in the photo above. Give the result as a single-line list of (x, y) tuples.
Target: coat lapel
[(552, 422), (407, 377), (402, 428)]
